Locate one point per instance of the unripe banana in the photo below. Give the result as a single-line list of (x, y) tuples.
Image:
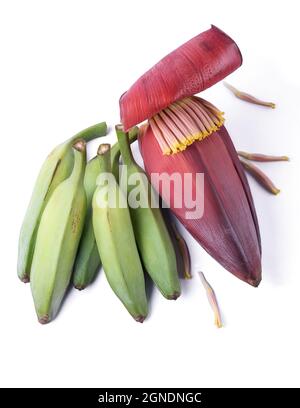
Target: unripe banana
[(116, 243), (88, 261), (56, 168), (152, 237), (57, 240)]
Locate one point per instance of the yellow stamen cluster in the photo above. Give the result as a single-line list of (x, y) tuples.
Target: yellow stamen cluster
[(183, 122)]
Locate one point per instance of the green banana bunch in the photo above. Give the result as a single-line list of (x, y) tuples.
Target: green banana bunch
[(116, 243), (58, 238), (56, 168), (88, 260), (152, 237)]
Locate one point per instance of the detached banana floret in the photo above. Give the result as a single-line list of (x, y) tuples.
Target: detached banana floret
[(88, 261), (116, 242), (58, 238), (56, 168), (152, 237)]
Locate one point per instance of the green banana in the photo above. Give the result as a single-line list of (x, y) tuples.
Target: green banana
[(116, 243), (56, 168), (88, 260), (57, 240), (152, 237)]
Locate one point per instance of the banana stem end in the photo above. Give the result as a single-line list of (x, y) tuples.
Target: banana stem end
[(44, 319), (79, 287), (140, 319), (103, 149), (174, 296), (80, 145)]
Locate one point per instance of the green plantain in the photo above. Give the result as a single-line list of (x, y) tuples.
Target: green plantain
[(116, 243), (152, 237), (57, 240), (56, 168), (88, 260)]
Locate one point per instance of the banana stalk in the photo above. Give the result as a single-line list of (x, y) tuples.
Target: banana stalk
[(116, 242), (56, 168), (151, 234), (88, 261), (57, 240)]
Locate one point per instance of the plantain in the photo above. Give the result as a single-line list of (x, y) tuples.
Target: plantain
[(152, 237), (56, 168), (58, 238), (88, 260), (115, 241)]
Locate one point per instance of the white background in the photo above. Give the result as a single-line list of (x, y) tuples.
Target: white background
[(63, 66)]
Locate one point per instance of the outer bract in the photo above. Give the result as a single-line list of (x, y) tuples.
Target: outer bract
[(193, 67)]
